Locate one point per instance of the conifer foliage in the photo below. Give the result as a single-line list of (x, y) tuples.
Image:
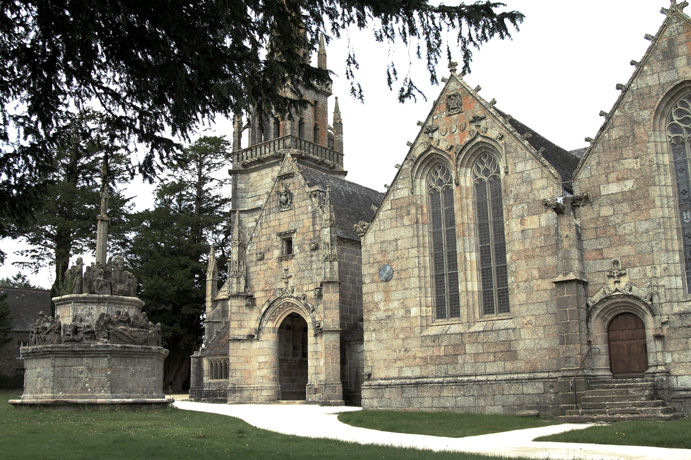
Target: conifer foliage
[(64, 221), (170, 248), (160, 67)]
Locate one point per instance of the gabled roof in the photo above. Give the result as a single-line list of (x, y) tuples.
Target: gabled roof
[(352, 202), (561, 159), (25, 304), (675, 10)]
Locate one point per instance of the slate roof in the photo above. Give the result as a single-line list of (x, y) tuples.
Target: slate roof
[(25, 304), (563, 161), (219, 342), (352, 202)]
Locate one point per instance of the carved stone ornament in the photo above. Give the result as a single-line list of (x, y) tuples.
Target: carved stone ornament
[(627, 290), (260, 256), (285, 198), (477, 118), (361, 228), (454, 103), (431, 129)]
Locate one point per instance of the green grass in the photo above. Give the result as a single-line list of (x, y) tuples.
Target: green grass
[(674, 434), (446, 424), (168, 434)]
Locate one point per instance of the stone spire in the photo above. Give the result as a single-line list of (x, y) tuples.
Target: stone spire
[(338, 128), (102, 228), (321, 57)]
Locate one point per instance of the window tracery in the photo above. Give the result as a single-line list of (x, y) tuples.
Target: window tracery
[(443, 236), (494, 289), (678, 138)]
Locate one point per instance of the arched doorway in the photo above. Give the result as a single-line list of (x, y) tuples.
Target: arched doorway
[(292, 358), (628, 354)]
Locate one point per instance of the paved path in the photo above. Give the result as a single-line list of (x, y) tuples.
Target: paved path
[(321, 422)]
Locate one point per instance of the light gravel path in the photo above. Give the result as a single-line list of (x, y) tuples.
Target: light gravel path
[(321, 422)]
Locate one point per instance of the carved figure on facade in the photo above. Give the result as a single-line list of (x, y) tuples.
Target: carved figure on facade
[(361, 228), (454, 103), (285, 197)]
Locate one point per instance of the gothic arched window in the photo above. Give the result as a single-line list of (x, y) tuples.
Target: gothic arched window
[(443, 234), (494, 286), (678, 132)]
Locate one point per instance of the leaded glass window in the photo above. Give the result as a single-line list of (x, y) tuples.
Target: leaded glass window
[(494, 286), (444, 255), (678, 133)]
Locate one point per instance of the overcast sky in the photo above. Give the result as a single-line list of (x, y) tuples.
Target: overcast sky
[(555, 76)]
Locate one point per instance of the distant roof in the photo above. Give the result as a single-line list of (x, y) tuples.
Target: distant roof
[(563, 161), (25, 304), (352, 202), (219, 342)]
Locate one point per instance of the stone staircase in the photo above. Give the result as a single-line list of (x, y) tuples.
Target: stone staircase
[(618, 400)]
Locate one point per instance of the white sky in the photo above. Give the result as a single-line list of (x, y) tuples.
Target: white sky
[(555, 76)]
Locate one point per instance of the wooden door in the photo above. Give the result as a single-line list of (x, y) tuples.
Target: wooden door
[(628, 355)]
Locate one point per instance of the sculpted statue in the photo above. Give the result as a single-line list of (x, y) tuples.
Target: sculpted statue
[(100, 280), (73, 278), (124, 282)]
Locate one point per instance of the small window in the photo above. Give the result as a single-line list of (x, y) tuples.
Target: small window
[(19, 349), (287, 246)]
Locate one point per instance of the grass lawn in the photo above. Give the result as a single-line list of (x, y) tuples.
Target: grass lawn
[(446, 424), (168, 434), (675, 434)]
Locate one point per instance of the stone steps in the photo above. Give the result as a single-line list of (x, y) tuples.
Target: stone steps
[(619, 400)]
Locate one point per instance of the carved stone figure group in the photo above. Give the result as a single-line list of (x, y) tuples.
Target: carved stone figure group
[(120, 328), (112, 279)]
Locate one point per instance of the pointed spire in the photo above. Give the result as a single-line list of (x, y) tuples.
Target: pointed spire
[(337, 112), (321, 58), (338, 129)]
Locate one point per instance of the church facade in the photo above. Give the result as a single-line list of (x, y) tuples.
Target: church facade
[(499, 272), (287, 325)]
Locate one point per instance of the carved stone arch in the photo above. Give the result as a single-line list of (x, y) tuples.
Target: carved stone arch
[(274, 311), (489, 298), (671, 125), (470, 151), (665, 104), (423, 163), (604, 311)]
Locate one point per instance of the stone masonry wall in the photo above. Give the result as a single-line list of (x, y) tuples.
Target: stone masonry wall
[(405, 345), (633, 212)]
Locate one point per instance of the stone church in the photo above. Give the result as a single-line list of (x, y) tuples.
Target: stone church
[(499, 273)]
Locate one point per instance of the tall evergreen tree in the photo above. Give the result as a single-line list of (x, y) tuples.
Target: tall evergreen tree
[(169, 250), (64, 223), (6, 319)]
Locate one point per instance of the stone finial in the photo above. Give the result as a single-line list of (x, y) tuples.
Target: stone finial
[(493, 102), (337, 112), (477, 89), (604, 114), (453, 66), (526, 135), (444, 79), (620, 87), (321, 55), (589, 140), (409, 144), (634, 62), (649, 37)]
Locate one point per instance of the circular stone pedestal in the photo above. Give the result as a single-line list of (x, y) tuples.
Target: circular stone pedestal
[(93, 374)]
